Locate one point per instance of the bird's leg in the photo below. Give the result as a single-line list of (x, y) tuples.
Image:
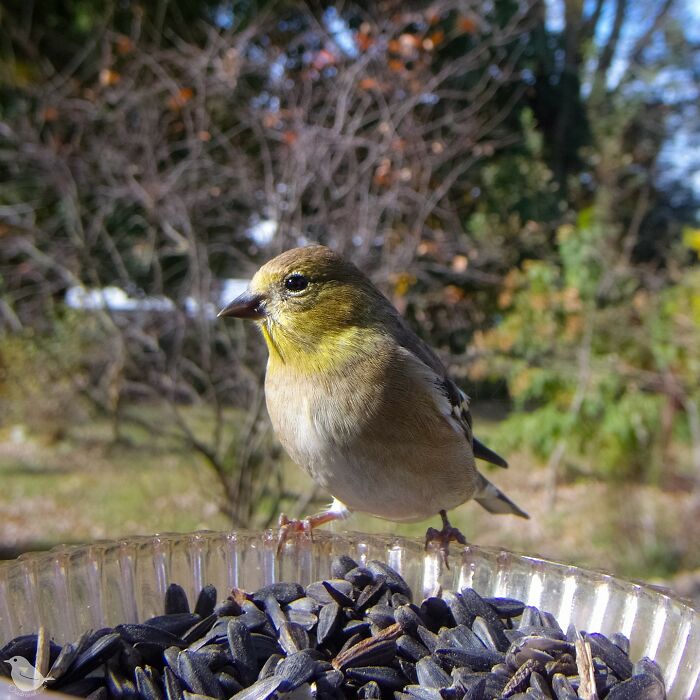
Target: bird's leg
[(288, 526), (443, 537)]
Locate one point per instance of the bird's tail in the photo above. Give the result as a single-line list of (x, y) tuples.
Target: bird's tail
[(494, 500)]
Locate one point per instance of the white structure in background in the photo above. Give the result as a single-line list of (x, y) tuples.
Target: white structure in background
[(116, 299), (262, 231)]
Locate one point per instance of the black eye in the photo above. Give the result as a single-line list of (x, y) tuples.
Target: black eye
[(296, 282)]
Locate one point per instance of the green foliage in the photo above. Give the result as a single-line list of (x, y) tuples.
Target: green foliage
[(595, 368)]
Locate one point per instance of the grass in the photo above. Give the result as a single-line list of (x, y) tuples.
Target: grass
[(85, 486)]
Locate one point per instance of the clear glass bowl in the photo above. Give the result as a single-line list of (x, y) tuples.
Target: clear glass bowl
[(71, 589)]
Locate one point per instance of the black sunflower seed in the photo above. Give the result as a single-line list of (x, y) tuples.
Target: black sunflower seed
[(283, 593), (295, 670), (611, 654), (408, 668), (620, 641), (329, 619), (460, 613), (370, 691), (146, 634), (176, 624), (341, 565), (394, 580), (260, 690), (476, 660), (343, 600), (385, 676), (228, 683), (411, 648), (318, 591), (147, 688), (431, 675), (506, 607), (242, 651), (409, 619), (646, 665), (195, 675), (371, 593), (176, 600), (563, 690), (173, 689), (359, 577), (206, 601)]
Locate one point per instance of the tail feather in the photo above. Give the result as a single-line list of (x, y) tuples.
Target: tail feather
[(487, 454), (494, 500)]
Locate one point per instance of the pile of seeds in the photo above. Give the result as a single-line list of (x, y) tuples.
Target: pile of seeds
[(355, 635)]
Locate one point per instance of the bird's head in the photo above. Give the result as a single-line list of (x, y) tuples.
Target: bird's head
[(17, 661), (309, 302)]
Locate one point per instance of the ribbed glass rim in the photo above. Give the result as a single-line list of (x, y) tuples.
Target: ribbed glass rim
[(130, 574)]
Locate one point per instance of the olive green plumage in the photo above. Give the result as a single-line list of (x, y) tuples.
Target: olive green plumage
[(356, 398)]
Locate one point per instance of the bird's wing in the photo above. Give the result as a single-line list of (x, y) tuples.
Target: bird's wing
[(459, 401)]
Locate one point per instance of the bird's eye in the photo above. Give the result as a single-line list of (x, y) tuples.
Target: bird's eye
[(296, 282)]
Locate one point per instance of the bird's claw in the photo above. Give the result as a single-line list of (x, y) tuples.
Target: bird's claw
[(289, 526), (442, 538)]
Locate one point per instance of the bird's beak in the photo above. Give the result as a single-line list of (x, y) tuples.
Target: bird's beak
[(247, 305)]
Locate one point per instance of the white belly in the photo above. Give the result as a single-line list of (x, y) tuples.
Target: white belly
[(403, 480)]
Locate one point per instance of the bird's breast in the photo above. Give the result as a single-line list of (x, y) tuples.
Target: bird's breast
[(377, 442)]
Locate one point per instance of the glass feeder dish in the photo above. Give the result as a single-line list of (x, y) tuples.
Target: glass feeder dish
[(69, 590)]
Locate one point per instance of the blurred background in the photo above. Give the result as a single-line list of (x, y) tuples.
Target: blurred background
[(520, 178)]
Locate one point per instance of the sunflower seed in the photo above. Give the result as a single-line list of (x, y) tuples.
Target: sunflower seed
[(337, 596), (408, 618), (146, 686), (328, 621), (206, 601), (173, 689), (385, 676), (431, 675), (411, 648), (176, 600), (242, 651), (359, 577), (371, 593), (195, 675), (283, 593), (295, 670), (429, 639), (341, 565), (381, 615), (506, 607), (372, 651), (612, 655), (318, 590), (563, 690), (176, 624), (642, 687), (265, 689), (146, 634), (369, 691), (421, 693), (394, 580), (476, 660)]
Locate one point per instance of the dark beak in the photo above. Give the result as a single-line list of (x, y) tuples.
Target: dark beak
[(247, 305)]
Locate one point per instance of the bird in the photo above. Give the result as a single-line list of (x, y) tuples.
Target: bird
[(360, 401), (25, 676)]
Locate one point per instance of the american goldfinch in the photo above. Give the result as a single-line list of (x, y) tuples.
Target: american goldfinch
[(359, 400)]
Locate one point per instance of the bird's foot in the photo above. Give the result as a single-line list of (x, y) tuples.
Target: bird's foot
[(442, 538), (289, 526)]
